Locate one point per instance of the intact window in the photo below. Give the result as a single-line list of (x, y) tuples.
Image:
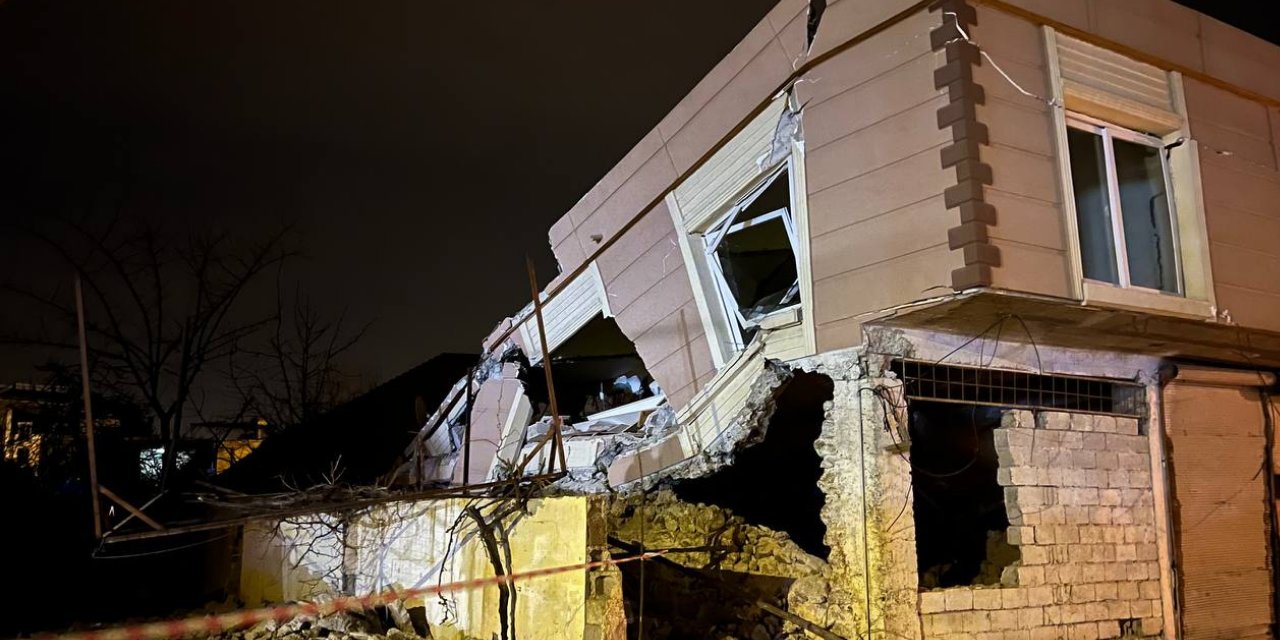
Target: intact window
[(752, 254), (1124, 212)]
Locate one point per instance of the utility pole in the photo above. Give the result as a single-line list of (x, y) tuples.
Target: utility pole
[(88, 413)]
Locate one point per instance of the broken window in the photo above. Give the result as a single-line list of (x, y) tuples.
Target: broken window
[(961, 521), (1124, 213), (596, 370), (752, 255)]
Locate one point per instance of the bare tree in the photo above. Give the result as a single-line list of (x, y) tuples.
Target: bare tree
[(161, 308), (291, 374)]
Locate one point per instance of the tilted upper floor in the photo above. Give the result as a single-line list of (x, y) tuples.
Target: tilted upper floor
[(1122, 155)]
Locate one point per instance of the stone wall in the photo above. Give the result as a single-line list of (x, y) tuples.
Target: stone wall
[(1079, 495)]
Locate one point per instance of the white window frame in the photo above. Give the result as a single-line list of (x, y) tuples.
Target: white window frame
[(1110, 132), (721, 229)]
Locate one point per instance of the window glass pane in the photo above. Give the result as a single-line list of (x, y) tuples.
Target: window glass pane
[(1093, 216), (1148, 225), (760, 268)]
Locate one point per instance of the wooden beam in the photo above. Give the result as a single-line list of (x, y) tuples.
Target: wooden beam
[(130, 508)]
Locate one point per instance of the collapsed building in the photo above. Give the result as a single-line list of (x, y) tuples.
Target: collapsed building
[(937, 319)]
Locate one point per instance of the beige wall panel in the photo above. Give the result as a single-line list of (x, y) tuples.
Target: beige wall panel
[(638, 319), (1025, 174), (882, 144), (897, 233), (568, 253), (729, 106), (1248, 307), (1019, 125), (1008, 38), (1027, 220), (1227, 183), (1070, 12), (1237, 57), (883, 52), (883, 285), (650, 181), (1243, 147), (1233, 228), (1207, 104), (844, 20), (672, 333), (654, 304), (912, 179), (885, 95), (1159, 27), (655, 264), (1245, 268), (1033, 78), (1033, 269), (679, 371), (650, 230)]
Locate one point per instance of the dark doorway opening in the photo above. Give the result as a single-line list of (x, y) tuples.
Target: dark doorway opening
[(774, 483), (960, 516)]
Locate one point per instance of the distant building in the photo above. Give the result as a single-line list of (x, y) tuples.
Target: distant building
[(39, 419)]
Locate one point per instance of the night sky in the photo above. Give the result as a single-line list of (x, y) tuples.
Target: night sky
[(421, 148)]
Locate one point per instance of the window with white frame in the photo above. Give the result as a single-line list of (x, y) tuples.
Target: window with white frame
[(751, 252), (1124, 209)]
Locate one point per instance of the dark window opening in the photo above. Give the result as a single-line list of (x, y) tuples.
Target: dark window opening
[(594, 370), (960, 516), (753, 254), (1006, 388), (774, 483)]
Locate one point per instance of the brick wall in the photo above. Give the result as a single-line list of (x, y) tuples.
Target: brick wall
[(1079, 496)]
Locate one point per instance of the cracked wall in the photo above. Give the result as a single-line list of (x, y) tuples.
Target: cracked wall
[(418, 544)]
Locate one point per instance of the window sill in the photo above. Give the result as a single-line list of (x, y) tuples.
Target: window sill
[(781, 319), (1109, 295)]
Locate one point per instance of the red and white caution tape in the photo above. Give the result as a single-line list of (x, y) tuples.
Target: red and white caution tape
[(214, 624)]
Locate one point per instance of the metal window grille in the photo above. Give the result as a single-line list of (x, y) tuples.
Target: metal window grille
[(1006, 388)]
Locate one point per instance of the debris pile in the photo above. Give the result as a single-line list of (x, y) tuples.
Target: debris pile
[(394, 621)]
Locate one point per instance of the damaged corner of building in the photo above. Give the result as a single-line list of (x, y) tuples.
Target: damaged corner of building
[(744, 545)]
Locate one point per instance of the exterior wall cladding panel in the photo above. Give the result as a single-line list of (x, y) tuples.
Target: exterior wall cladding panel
[(934, 218)]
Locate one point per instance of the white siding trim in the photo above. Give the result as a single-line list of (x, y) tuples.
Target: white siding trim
[(704, 195)]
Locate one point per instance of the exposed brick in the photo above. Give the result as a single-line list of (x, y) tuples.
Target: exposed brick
[(1035, 555), (1107, 459), (932, 602), (1038, 596), (987, 599), (1148, 552), (1141, 608), (1153, 625), (959, 599), (1127, 426), (1003, 620), (1083, 593), (1021, 535), (1031, 575)]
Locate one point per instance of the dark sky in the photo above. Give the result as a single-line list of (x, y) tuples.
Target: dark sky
[(422, 148)]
